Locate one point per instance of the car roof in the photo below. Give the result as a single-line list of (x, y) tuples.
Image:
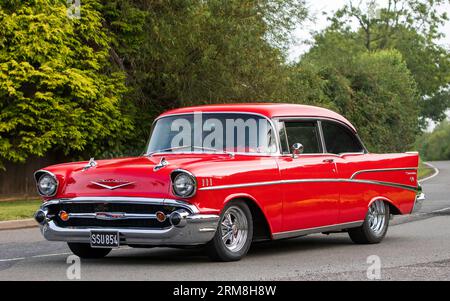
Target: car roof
[(269, 110)]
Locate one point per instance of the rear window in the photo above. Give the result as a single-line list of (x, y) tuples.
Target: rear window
[(339, 140)]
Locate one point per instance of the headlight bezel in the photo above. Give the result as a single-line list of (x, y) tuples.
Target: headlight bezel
[(39, 175), (181, 172)]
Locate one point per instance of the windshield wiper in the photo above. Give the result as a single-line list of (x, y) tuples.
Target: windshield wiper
[(190, 146)]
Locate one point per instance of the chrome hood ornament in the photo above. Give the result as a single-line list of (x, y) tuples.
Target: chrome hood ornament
[(163, 163), (90, 164), (112, 184)]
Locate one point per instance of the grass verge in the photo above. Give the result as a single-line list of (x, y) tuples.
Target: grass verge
[(424, 170), (14, 210)]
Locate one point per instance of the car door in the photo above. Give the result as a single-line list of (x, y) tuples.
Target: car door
[(310, 197), (351, 157)]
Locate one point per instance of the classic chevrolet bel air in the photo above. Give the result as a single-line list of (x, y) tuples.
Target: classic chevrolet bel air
[(224, 176)]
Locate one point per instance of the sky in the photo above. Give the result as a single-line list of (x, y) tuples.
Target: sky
[(303, 34)]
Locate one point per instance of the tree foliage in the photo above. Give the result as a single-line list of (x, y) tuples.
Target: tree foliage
[(412, 28), (178, 53), (92, 86), (374, 90), (57, 88), (435, 146)]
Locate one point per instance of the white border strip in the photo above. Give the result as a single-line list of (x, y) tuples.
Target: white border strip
[(436, 172)]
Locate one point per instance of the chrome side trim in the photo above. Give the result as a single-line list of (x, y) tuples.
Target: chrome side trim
[(381, 183), (330, 228), (282, 182), (382, 170), (126, 200)]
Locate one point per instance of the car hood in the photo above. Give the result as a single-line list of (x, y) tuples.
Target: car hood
[(132, 177)]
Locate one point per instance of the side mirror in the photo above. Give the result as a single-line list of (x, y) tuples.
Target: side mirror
[(297, 149)]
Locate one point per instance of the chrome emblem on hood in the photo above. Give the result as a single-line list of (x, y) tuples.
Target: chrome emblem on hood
[(112, 184), (163, 163), (90, 164)]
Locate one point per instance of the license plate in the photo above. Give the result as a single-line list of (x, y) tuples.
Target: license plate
[(102, 239)]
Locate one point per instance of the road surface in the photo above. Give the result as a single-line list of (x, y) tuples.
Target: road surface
[(416, 248)]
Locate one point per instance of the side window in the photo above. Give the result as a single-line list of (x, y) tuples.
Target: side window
[(283, 138), (339, 140), (306, 133)]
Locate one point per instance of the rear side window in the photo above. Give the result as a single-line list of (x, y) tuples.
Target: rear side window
[(306, 133), (339, 140)]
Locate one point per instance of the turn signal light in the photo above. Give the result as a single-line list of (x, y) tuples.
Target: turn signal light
[(160, 217), (64, 216)]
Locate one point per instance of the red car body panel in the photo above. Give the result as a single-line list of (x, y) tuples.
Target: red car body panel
[(310, 191)]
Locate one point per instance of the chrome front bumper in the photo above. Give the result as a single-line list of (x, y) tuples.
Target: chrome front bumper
[(420, 198), (194, 229)]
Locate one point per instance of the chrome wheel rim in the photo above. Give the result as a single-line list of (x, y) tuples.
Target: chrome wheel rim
[(234, 229), (377, 217)]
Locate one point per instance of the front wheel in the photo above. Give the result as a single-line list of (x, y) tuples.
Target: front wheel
[(375, 226), (234, 234), (86, 251)]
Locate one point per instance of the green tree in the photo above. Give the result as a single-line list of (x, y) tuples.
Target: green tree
[(178, 53), (374, 90), (411, 27), (57, 87), (436, 145)]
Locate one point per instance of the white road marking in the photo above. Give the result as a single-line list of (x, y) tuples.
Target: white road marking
[(12, 259), (35, 256), (436, 172), (441, 210), (51, 255)]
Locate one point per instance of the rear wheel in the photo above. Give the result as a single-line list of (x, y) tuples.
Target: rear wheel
[(86, 251), (375, 226), (234, 234)]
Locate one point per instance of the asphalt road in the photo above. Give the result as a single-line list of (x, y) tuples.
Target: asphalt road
[(416, 248)]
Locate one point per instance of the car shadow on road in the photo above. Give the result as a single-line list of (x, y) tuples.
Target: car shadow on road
[(169, 256)]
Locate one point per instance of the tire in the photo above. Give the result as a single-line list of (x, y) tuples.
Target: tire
[(85, 251), (234, 234), (375, 225)]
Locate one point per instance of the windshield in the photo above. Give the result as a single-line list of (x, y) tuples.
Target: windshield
[(213, 132)]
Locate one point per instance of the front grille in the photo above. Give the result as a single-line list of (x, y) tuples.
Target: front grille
[(96, 223), (94, 207)]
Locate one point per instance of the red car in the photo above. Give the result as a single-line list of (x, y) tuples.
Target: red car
[(224, 176)]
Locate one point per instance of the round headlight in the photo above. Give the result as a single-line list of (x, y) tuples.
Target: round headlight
[(184, 185), (47, 185)]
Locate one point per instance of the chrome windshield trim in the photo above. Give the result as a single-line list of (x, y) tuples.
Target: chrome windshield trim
[(277, 142), (382, 170), (296, 181), (125, 200)]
